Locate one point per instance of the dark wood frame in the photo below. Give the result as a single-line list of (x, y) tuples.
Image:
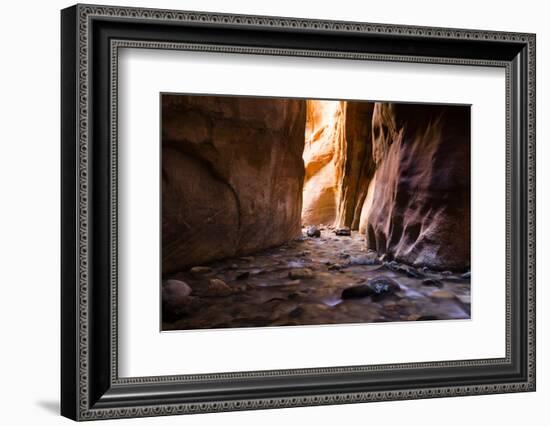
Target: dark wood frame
[(91, 37)]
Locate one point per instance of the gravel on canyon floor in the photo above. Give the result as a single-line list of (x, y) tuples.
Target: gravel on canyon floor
[(327, 277)]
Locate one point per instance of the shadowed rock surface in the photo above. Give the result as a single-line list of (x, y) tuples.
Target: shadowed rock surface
[(418, 207), (232, 176)]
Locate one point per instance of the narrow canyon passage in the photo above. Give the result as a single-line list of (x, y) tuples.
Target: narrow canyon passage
[(300, 212)]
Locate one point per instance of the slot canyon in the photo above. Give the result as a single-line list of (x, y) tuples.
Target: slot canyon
[(281, 212)]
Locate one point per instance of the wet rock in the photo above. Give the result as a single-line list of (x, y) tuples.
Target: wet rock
[(430, 282), (174, 291), (446, 273), (357, 291), (243, 275), (377, 288), (466, 275), (300, 273), (313, 231), (344, 255), (392, 265), (384, 286), (217, 287), (176, 300), (201, 271), (335, 267), (344, 231), (442, 294)]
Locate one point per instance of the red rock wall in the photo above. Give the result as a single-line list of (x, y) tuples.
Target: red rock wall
[(338, 162), (418, 207), (232, 176)]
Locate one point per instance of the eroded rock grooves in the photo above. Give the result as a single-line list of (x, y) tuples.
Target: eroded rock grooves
[(291, 212), (418, 208)]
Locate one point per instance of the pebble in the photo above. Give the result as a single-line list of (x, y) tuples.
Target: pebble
[(344, 231), (299, 273), (201, 271), (313, 231), (217, 287), (175, 291)]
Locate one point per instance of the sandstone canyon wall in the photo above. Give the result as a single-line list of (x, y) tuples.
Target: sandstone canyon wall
[(232, 176), (338, 162), (418, 207)]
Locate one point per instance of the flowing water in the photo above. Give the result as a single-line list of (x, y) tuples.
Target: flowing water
[(301, 283)]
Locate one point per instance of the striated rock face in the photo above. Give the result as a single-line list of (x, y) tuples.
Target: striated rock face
[(417, 210), (338, 162), (232, 176)]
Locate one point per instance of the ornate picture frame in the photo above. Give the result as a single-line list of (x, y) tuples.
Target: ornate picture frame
[(91, 37)]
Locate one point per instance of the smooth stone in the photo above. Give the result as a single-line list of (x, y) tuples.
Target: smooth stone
[(175, 291), (299, 273), (432, 283), (313, 231), (217, 287), (345, 231)]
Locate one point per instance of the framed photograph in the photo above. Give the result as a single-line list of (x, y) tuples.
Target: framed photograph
[(263, 212)]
